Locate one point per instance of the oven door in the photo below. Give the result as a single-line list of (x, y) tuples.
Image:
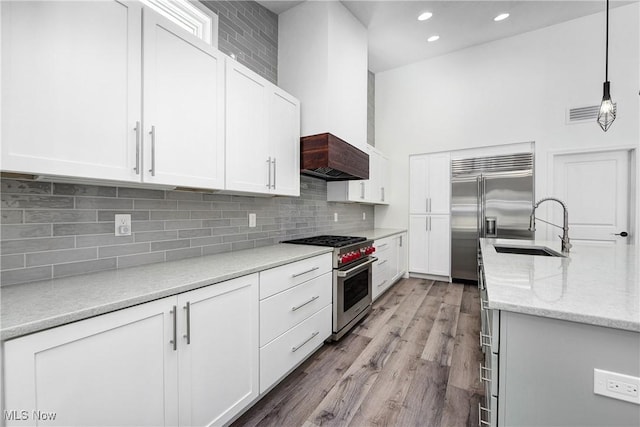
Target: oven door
[(351, 291)]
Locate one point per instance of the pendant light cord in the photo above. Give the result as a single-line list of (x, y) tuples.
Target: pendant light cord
[(606, 60)]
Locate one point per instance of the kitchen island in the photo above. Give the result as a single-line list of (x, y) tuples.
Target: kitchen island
[(548, 322)]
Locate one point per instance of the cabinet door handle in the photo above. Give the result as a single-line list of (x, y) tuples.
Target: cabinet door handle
[(362, 190), (485, 340), (482, 422), (269, 172), (137, 129), (296, 348), (174, 341), (297, 307), (305, 272), (401, 241), (153, 151), (274, 173), (382, 191), (188, 334), (484, 370)]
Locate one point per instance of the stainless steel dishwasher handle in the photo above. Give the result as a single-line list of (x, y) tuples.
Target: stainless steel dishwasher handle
[(357, 268)]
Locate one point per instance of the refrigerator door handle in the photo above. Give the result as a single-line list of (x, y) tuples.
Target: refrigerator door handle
[(479, 205)]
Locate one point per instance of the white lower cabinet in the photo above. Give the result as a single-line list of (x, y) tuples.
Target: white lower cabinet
[(430, 243), (286, 352), (190, 359), (295, 315), (390, 267)]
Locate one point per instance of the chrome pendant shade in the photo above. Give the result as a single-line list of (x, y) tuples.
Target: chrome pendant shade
[(607, 113)]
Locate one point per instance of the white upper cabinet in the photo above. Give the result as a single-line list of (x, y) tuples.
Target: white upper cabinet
[(71, 81), (183, 107), (262, 135), (75, 89), (370, 191), (284, 142), (430, 184)]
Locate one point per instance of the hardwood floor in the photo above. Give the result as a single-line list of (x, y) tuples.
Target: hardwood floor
[(412, 362)]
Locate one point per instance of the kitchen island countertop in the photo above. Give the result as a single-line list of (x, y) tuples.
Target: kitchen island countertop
[(596, 284), (32, 307)]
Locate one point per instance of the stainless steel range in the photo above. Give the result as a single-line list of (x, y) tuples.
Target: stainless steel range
[(352, 266)]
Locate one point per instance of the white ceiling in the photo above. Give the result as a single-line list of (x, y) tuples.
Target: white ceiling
[(397, 38)]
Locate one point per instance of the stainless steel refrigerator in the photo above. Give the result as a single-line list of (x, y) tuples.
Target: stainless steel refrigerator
[(490, 197)]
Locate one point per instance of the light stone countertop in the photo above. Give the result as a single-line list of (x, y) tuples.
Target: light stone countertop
[(376, 233), (595, 284), (36, 306)]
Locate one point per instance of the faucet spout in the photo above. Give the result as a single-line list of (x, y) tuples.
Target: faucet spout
[(566, 244)]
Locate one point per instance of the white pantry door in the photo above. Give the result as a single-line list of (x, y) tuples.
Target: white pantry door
[(595, 187)]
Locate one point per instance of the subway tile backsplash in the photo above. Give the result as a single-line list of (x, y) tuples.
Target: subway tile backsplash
[(55, 229)]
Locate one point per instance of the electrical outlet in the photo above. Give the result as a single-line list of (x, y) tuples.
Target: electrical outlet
[(252, 220), (335, 216), (123, 225), (364, 216), (617, 386)]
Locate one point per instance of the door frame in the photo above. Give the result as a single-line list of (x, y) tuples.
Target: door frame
[(634, 179)]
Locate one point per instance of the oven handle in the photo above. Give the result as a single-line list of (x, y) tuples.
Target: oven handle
[(357, 268)]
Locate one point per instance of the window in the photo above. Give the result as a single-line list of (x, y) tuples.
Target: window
[(193, 17)]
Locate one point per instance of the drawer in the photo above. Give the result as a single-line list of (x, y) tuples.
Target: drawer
[(281, 278), (382, 245), (285, 352), (282, 311)]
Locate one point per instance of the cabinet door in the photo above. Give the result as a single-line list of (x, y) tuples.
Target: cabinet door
[(71, 81), (402, 254), (218, 351), (248, 162), (284, 142), (383, 180), (114, 369), (439, 252), (418, 241), (439, 183), (418, 190), (183, 107)]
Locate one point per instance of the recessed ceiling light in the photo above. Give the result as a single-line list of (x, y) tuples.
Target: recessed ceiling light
[(501, 17), (424, 16), (433, 38)]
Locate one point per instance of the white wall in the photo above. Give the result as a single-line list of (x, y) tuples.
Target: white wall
[(511, 90)]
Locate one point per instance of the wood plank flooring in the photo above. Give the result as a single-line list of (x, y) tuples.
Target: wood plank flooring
[(412, 362)]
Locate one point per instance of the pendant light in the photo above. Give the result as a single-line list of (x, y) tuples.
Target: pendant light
[(607, 113)]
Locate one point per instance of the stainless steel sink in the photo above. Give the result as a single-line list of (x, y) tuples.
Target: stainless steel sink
[(527, 250)]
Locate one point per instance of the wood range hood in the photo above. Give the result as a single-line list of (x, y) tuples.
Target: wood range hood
[(328, 157)]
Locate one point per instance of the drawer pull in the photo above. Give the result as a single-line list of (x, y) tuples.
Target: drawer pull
[(305, 303), (484, 370), (485, 340), (382, 262), (305, 272), (482, 422), (382, 284), (296, 348), (484, 304), (383, 245)]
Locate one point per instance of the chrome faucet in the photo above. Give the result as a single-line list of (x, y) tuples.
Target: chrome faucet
[(566, 245)]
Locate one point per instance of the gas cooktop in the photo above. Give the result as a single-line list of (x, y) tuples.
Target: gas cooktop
[(331, 241)]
